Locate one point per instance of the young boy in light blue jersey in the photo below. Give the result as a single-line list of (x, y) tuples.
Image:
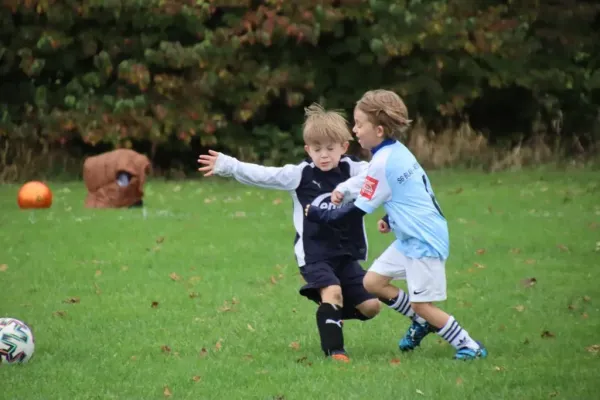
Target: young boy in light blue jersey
[(396, 180)]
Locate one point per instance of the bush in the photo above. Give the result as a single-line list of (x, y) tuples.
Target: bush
[(125, 72)]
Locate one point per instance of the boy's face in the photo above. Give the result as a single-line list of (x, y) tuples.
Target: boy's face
[(326, 156), (368, 135)]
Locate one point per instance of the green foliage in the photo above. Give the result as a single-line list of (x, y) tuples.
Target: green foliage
[(117, 71)]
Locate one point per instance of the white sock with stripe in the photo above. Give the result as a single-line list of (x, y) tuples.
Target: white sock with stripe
[(401, 304), (454, 334)]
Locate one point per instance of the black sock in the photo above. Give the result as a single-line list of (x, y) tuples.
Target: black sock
[(329, 322)]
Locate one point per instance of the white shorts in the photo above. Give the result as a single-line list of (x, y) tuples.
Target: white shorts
[(425, 277)]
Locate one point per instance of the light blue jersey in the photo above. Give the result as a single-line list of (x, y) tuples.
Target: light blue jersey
[(396, 180)]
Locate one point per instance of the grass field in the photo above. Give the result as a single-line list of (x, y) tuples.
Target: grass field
[(196, 297)]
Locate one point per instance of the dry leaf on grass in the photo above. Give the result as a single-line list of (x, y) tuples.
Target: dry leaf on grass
[(295, 345), (160, 239), (124, 268), (72, 300), (515, 251), (60, 314), (529, 282), (3, 267), (250, 328), (459, 381), (273, 280), (98, 291), (480, 266), (594, 349), (562, 247), (219, 345), (304, 360), (203, 353), (587, 299), (547, 335), (196, 378), (530, 261), (167, 392), (154, 304), (499, 369), (98, 273), (248, 357), (174, 276), (520, 308), (277, 201), (420, 392), (193, 295), (395, 361), (480, 251), (165, 349)]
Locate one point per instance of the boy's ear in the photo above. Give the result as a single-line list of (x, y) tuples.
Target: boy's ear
[(345, 146), (306, 148), (380, 131)]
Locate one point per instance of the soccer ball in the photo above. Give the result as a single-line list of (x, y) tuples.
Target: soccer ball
[(16, 342), (34, 194)]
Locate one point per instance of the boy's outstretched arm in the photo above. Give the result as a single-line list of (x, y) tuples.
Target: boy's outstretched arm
[(287, 177), (374, 192), (349, 190), (334, 217)]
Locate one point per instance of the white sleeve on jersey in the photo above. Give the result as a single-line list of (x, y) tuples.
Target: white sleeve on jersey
[(287, 177), (375, 190), (351, 187)]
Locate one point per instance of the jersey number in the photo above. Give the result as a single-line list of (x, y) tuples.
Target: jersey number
[(435, 203)]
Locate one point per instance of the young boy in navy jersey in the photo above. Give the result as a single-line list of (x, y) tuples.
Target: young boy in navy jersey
[(327, 257), (396, 180)]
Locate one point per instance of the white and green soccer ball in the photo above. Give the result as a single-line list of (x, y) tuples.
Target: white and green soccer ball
[(16, 342)]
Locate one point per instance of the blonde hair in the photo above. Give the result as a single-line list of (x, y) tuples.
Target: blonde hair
[(322, 126), (385, 108)]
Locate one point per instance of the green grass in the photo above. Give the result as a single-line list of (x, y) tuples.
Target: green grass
[(225, 241)]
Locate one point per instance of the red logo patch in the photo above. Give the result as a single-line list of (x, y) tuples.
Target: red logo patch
[(369, 187)]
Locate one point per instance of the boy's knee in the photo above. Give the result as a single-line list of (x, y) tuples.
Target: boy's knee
[(333, 295), (372, 283)]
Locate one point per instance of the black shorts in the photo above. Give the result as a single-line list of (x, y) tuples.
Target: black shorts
[(345, 272)]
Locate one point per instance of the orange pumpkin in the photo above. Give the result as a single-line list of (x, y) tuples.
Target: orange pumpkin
[(34, 195)]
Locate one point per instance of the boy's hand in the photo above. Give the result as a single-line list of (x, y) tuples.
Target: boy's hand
[(337, 197), (312, 213), (383, 226), (208, 160), (306, 210)]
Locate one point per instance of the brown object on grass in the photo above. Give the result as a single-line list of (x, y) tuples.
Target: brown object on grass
[(115, 179)]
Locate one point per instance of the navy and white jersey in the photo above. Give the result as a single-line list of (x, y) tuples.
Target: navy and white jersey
[(307, 184)]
